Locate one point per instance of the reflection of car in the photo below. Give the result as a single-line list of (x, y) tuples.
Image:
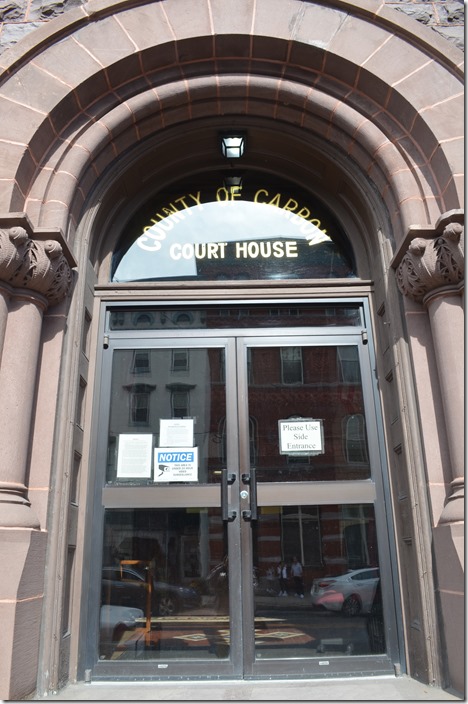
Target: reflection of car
[(351, 593), (115, 622), (375, 623), (127, 586)]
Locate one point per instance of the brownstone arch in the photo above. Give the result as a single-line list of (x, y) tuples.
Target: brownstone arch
[(355, 101)]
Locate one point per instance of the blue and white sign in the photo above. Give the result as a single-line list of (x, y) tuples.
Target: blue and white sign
[(176, 464)]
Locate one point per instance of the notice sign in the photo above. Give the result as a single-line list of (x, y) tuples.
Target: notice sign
[(134, 456), (176, 432), (301, 436), (173, 464)]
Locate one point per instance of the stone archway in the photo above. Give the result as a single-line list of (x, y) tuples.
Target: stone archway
[(87, 94), (102, 79)]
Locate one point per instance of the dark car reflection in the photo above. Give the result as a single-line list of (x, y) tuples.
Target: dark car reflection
[(131, 586)]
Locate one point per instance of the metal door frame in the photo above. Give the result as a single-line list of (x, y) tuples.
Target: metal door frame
[(319, 493), (242, 661)]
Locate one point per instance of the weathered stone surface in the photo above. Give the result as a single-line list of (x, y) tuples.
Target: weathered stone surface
[(456, 35), (452, 13), (47, 9), (11, 32), (10, 10), (19, 17), (422, 13)]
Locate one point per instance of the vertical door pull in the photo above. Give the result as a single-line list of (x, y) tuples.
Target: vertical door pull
[(226, 478), (251, 479)]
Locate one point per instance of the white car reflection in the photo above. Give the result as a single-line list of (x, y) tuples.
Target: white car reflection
[(351, 593)]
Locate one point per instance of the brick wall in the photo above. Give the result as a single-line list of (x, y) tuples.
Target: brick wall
[(19, 17)]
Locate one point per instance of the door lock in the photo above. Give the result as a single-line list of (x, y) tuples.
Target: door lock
[(250, 479)]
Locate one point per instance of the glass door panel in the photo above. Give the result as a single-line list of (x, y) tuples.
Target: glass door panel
[(164, 585), (164, 588), (307, 420), (317, 587), (200, 573), (150, 389), (310, 529)]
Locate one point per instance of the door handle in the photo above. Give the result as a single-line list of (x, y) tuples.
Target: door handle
[(226, 478), (251, 479)]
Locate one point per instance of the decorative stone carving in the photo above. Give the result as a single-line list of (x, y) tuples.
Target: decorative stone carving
[(431, 264), (34, 265), (12, 251)]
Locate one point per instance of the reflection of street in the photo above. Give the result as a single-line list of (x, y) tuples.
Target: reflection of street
[(323, 632), (284, 627)]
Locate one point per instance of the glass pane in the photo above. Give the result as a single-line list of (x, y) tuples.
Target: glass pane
[(164, 589), (308, 424), (152, 387), (317, 588), (278, 316), (260, 229)]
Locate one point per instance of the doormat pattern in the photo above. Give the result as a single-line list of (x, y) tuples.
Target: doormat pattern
[(170, 637)]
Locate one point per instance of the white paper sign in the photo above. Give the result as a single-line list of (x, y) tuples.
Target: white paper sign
[(176, 432), (173, 464), (302, 436), (134, 456)]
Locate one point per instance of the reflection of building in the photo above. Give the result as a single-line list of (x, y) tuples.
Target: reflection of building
[(105, 112)]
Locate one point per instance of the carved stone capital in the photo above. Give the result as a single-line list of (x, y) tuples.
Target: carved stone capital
[(36, 265), (433, 263)]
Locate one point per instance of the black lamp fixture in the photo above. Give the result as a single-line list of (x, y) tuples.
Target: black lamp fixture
[(232, 179), (232, 144)]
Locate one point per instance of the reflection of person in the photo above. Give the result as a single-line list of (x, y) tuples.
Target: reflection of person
[(222, 588), (282, 572), (296, 572)]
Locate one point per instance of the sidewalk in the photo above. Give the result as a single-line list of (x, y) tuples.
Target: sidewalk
[(356, 689)]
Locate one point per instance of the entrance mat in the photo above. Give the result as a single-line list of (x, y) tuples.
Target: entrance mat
[(191, 634)]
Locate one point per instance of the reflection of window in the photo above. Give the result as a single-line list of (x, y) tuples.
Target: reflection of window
[(348, 364), (180, 404), (354, 436), (222, 441), (180, 360), (183, 319), (359, 536), (252, 441), (298, 459), (249, 366), (300, 534), (141, 362), (222, 364), (117, 319), (139, 403), (291, 365), (180, 399), (139, 408), (143, 320)]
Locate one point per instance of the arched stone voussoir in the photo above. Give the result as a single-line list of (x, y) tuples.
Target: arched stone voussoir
[(142, 19), (102, 144), (116, 56)]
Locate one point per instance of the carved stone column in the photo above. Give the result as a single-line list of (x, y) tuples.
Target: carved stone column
[(431, 272), (34, 274)]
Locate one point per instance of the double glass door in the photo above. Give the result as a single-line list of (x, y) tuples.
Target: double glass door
[(242, 510)]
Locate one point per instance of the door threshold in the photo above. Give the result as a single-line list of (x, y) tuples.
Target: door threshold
[(378, 688)]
